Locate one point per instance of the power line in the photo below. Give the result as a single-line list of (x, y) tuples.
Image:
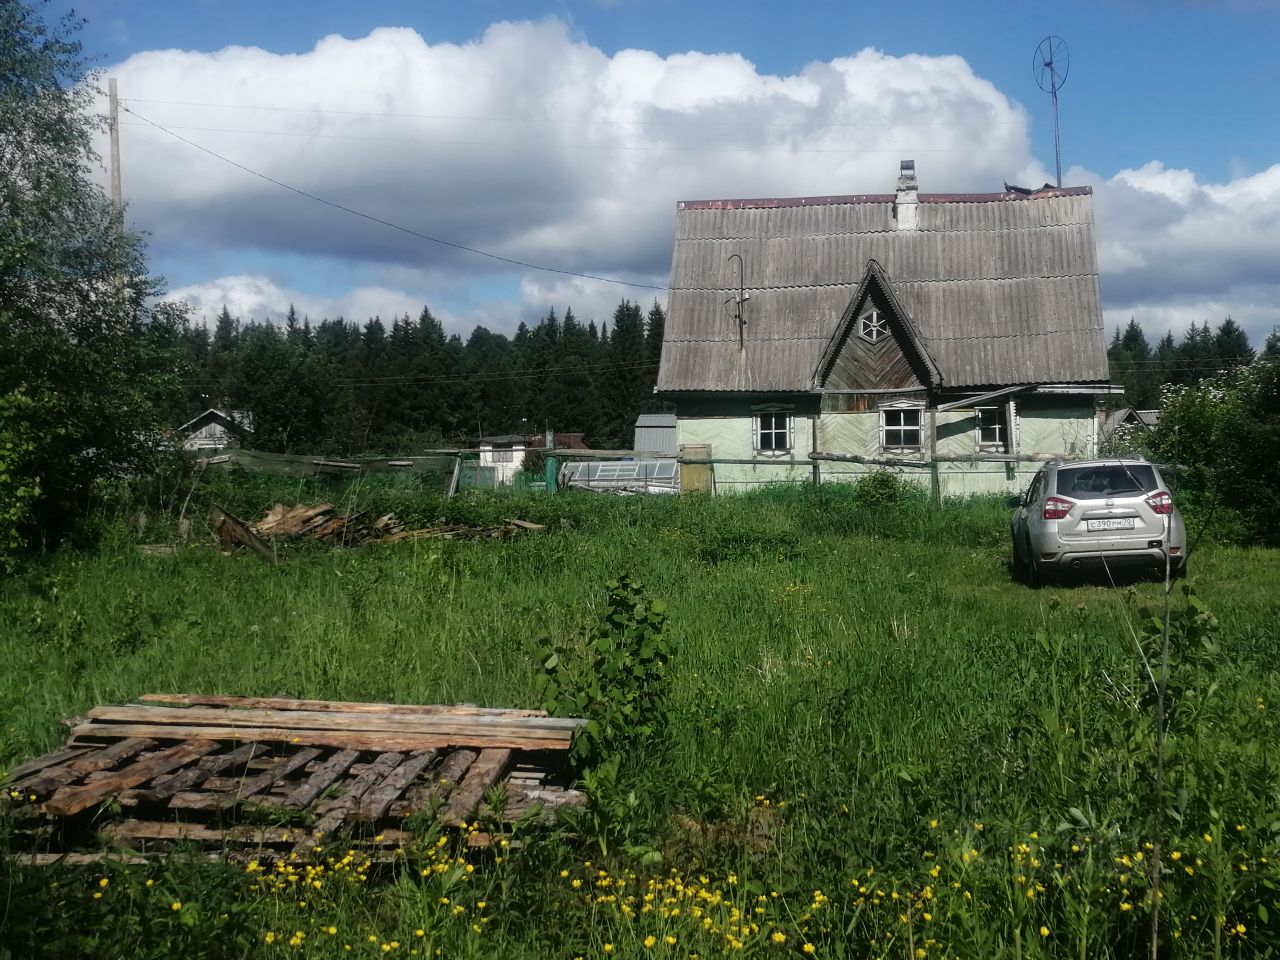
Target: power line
[(387, 223), (648, 148), (391, 381), (581, 121)]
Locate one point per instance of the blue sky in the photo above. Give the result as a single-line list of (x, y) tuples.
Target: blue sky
[(1168, 111)]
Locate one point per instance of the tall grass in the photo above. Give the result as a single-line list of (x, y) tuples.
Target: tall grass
[(857, 684)]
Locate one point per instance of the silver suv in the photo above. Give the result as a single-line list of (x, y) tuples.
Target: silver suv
[(1097, 515)]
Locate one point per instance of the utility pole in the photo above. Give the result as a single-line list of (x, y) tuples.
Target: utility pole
[(113, 123)]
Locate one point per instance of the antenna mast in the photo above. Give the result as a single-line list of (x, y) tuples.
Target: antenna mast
[(1050, 66)]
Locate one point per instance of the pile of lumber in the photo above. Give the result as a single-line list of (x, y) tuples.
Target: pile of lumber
[(324, 523), (183, 767), (321, 522)]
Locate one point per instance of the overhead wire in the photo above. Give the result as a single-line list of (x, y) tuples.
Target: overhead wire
[(700, 122), (407, 379), (658, 148), (388, 223)]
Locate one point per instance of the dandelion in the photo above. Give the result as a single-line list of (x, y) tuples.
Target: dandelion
[(1126, 907), (331, 930), (670, 940), (1240, 929), (1208, 838), (1044, 931), (269, 936), (104, 882), (419, 933), (809, 948), (778, 937), (175, 906), (608, 948), (649, 941)]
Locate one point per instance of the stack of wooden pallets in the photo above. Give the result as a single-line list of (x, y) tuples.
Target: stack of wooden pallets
[(215, 769)]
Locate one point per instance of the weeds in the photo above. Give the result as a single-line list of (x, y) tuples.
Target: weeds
[(875, 696)]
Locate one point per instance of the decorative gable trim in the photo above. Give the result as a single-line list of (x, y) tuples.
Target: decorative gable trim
[(852, 316)]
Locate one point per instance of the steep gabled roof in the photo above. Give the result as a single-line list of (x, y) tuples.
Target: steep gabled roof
[(1001, 288)]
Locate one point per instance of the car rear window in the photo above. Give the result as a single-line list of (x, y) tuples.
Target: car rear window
[(1106, 480)]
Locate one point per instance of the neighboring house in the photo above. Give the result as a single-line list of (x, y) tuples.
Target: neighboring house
[(1126, 417), (505, 454), (656, 434), (956, 337), (214, 430)]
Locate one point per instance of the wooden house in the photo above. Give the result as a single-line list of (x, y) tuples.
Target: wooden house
[(957, 338)]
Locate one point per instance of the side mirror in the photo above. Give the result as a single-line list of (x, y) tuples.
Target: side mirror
[(1014, 501)]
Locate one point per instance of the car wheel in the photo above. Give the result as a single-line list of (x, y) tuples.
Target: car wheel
[(1179, 572)]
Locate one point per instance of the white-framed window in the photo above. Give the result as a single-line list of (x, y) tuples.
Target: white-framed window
[(992, 428), (901, 427), (872, 326), (502, 455), (773, 432)]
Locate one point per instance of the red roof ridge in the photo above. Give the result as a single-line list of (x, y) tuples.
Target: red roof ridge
[(769, 202)]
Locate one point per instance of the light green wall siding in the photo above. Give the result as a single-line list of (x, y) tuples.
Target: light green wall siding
[(1043, 430), (1063, 429)]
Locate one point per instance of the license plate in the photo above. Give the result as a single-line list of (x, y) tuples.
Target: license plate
[(1111, 523)]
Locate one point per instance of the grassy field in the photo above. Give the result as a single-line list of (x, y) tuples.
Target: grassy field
[(874, 743)]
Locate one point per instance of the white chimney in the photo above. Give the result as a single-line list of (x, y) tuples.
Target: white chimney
[(904, 205)]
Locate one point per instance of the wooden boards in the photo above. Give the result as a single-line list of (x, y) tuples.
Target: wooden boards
[(189, 768)]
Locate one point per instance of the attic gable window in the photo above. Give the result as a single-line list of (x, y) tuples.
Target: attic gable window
[(900, 427), (872, 326)]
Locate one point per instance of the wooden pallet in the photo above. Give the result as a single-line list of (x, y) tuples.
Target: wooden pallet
[(271, 775)]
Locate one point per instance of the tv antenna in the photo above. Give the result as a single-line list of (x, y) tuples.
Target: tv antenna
[(740, 299), (1050, 66)]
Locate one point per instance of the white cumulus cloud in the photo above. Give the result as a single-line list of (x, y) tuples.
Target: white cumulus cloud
[(530, 144), (537, 146)]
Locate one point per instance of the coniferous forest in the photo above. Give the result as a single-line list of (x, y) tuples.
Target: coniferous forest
[(342, 387)]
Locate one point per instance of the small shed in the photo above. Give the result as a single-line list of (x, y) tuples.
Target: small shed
[(504, 455), (213, 430), (656, 434)]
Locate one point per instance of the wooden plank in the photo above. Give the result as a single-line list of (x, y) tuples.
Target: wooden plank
[(379, 800), (125, 830), (163, 787), (110, 756), (320, 780), (233, 531), (483, 774), (374, 741), (48, 760), (80, 859), (334, 812), (546, 727), (342, 706), (69, 800), (208, 766), (244, 789), (442, 782)]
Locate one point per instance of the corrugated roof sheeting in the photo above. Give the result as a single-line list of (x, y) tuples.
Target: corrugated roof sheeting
[(1001, 291), (782, 314), (762, 366), (905, 256)]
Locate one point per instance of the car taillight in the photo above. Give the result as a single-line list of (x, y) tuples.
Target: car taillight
[(1055, 508), (1160, 502)]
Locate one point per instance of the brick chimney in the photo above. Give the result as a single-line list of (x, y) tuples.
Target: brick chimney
[(904, 205)]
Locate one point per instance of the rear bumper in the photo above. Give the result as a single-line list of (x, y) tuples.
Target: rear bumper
[(1113, 559)]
